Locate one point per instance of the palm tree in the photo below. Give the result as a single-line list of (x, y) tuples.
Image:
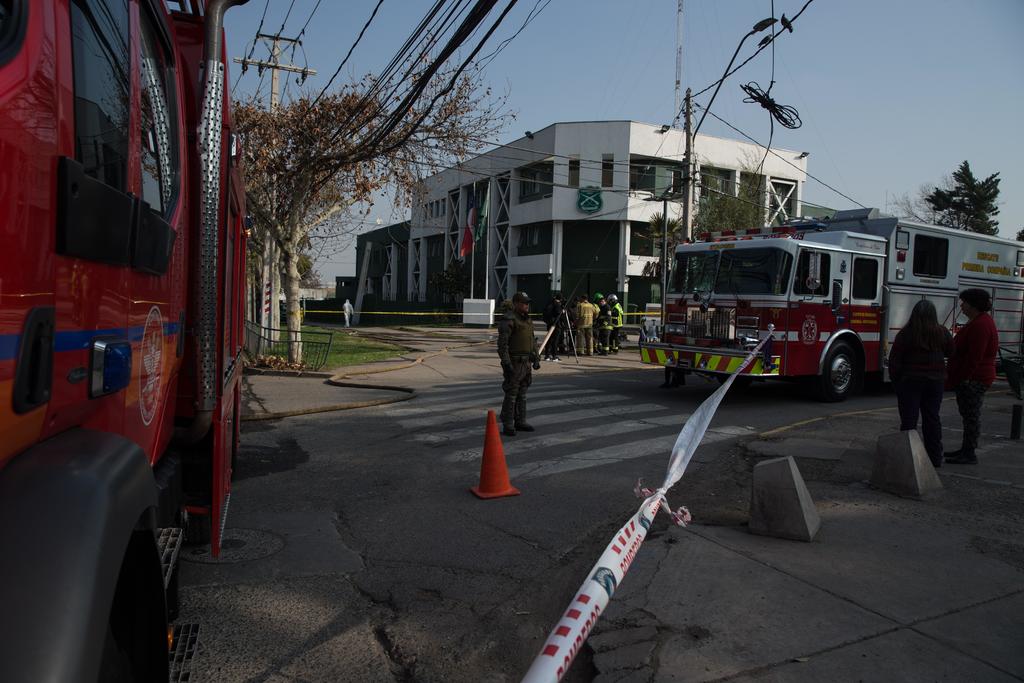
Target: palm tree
[(655, 231)]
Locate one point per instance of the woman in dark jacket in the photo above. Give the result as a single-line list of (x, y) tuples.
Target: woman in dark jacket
[(972, 369), (917, 366)]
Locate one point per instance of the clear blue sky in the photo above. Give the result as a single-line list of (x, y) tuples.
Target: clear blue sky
[(893, 93)]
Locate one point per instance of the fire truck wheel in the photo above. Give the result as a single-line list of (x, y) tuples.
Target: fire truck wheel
[(839, 373)]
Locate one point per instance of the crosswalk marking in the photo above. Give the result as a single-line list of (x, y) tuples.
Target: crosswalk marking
[(553, 398), (608, 455), (530, 442), (551, 418)]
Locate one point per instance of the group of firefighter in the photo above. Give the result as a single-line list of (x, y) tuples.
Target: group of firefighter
[(583, 326)]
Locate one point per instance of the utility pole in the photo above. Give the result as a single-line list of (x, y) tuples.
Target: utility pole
[(688, 171), (272, 274), (679, 60)]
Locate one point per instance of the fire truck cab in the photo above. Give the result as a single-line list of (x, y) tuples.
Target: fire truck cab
[(834, 292), (121, 208)]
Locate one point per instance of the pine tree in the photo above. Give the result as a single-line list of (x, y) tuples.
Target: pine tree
[(967, 203)]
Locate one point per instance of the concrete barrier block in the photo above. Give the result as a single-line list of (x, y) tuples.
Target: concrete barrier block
[(780, 504), (902, 466)]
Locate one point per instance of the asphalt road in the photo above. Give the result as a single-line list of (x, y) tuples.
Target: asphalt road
[(356, 553)]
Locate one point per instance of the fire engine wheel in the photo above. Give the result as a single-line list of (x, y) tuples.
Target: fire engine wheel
[(839, 373)]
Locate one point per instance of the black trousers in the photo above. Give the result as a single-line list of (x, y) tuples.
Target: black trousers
[(555, 342), (969, 397), (918, 396)]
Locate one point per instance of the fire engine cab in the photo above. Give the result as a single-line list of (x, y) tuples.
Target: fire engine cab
[(836, 291), (122, 253)]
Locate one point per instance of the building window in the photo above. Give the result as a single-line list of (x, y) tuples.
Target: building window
[(158, 120), (529, 236), (607, 170), (99, 30), (717, 180), (535, 181), (930, 256), (574, 172), (865, 278), (677, 181), (782, 201), (642, 177)]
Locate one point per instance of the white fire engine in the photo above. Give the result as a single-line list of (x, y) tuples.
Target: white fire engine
[(837, 292)]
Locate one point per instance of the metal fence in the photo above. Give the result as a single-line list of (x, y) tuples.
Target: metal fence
[(273, 341)]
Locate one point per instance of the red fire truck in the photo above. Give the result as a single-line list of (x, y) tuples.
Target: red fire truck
[(836, 292), (123, 250)]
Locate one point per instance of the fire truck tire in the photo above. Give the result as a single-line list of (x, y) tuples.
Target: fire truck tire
[(839, 373)]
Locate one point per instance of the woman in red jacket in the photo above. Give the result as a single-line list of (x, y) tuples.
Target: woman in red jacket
[(917, 367), (972, 369)]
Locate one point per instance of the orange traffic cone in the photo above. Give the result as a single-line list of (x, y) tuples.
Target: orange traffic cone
[(494, 482)]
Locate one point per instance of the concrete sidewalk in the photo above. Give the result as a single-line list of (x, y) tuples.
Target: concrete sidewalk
[(890, 589), (269, 397), (435, 354)]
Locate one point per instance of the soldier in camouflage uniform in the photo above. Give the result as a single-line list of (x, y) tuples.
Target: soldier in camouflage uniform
[(517, 349)]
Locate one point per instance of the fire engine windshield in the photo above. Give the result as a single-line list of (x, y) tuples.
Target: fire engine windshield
[(753, 271), (695, 271)]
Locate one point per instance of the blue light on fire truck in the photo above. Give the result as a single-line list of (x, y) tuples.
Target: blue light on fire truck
[(111, 366)]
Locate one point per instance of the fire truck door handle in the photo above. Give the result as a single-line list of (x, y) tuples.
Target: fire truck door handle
[(33, 375)]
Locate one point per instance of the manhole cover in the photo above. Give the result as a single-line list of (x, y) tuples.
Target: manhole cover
[(238, 545)]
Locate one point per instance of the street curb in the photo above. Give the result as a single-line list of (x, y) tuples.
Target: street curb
[(405, 396), (785, 428), (284, 373), (376, 371)]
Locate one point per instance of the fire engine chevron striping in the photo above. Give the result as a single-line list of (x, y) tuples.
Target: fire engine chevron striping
[(571, 631)]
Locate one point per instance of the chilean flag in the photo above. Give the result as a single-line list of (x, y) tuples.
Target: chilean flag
[(467, 234)]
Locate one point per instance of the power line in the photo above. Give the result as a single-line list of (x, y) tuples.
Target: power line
[(819, 180), (348, 54), (252, 48), (787, 24)]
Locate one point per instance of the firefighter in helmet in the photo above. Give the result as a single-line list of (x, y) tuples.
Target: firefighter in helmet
[(617, 320), (603, 324), (517, 349)]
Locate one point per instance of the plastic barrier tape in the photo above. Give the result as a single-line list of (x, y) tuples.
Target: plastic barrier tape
[(565, 640)]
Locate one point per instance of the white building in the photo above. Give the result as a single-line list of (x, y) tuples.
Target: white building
[(568, 207)]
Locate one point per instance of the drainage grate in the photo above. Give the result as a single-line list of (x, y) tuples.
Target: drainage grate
[(168, 542), (186, 642)]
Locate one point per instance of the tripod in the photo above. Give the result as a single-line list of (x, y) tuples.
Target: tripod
[(572, 334)]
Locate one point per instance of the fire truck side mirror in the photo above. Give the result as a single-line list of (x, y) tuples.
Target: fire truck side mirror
[(837, 295)]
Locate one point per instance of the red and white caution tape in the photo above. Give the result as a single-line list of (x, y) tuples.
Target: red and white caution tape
[(571, 631)]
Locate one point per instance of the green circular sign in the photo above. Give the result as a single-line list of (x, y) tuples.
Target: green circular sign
[(588, 200)]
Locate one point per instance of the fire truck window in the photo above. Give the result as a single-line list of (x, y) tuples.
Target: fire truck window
[(12, 27), (753, 271), (99, 30), (695, 271), (158, 121), (803, 270), (930, 256), (865, 278)]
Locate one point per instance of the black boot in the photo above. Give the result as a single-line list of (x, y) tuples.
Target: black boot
[(509, 430), (949, 455), (965, 457), (523, 427)]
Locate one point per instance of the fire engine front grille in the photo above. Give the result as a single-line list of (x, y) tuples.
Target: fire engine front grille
[(715, 323)]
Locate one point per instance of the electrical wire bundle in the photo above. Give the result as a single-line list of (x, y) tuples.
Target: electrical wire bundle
[(787, 116)]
